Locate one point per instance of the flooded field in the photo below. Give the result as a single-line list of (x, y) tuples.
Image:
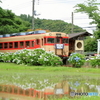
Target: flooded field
[(79, 81)]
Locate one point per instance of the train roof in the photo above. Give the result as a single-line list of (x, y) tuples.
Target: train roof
[(23, 33), (40, 32)]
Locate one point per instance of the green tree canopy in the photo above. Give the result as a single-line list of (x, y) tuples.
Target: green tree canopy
[(10, 23), (52, 25), (90, 7)]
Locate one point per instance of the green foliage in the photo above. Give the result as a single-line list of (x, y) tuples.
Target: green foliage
[(1, 55), (32, 57), (7, 57), (95, 61), (10, 23), (49, 59), (52, 25), (76, 59), (91, 8), (90, 44)]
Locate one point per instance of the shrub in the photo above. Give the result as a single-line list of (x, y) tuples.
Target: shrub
[(50, 59), (95, 61), (7, 57), (76, 59), (33, 57), (20, 56), (1, 55)]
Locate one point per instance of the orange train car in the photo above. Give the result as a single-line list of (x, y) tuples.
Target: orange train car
[(56, 42)]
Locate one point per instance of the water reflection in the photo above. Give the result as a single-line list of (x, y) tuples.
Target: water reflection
[(79, 86)]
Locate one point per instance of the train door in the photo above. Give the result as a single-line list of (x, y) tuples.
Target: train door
[(59, 46)]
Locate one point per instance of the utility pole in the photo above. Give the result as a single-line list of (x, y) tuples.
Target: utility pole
[(72, 22), (33, 2)]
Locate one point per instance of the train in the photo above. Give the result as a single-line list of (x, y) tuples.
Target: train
[(57, 42)]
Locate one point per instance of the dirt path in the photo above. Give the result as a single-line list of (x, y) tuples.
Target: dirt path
[(16, 97)]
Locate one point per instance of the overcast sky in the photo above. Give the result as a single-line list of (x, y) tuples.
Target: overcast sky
[(49, 9)]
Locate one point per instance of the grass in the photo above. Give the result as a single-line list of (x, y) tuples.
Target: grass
[(12, 66), (40, 77)]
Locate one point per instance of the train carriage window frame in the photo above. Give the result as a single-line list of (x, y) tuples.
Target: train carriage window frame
[(27, 44), (21, 44), (58, 40), (1, 45), (32, 43), (15, 44), (45, 40), (65, 40), (50, 40), (37, 41), (42, 41), (10, 44), (6, 45)]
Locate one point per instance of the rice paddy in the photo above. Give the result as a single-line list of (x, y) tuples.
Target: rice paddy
[(41, 77)]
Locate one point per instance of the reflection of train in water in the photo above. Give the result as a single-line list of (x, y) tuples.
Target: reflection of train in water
[(57, 42)]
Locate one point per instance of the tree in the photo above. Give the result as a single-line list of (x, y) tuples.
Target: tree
[(90, 44), (10, 23), (90, 7), (51, 25)]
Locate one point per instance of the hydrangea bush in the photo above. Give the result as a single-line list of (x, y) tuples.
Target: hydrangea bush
[(49, 58), (1, 55), (7, 57), (33, 57), (76, 59)]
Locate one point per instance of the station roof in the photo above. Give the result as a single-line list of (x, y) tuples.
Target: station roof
[(72, 35)]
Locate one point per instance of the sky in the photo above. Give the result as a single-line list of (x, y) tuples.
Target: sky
[(50, 9)]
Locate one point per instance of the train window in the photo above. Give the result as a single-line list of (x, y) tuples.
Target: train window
[(27, 44), (65, 40), (32, 43), (1, 45), (21, 44), (37, 41), (10, 45), (57, 40), (15, 44), (50, 40), (5, 45)]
